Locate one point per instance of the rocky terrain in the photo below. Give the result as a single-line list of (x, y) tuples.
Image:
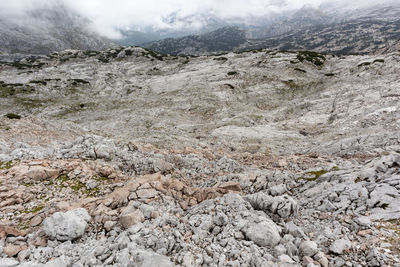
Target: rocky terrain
[(131, 158)]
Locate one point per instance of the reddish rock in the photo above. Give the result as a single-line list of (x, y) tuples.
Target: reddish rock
[(231, 186), (12, 250), (364, 233), (39, 173), (146, 193), (131, 218), (8, 230)]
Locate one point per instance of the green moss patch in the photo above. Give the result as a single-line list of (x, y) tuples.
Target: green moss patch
[(34, 210), (314, 175), (6, 165), (317, 174), (221, 59)]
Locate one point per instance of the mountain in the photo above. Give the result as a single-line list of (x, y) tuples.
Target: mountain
[(221, 40), (300, 19), (47, 29), (176, 27), (349, 32), (360, 36)]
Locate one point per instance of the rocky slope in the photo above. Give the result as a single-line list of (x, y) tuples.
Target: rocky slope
[(221, 40), (47, 29), (329, 30), (360, 36), (130, 158)]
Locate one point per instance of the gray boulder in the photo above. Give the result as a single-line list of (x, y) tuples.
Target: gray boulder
[(308, 248), (264, 233), (339, 246), (66, 226)]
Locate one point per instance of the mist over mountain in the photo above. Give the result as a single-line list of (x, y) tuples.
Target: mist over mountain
[(48, 28), (355, 31)]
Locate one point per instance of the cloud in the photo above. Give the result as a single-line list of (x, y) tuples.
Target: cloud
[(110, 15)]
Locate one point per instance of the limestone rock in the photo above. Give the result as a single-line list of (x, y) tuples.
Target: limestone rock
[(66, 226), (264, 233), (339, 246), (308, 248), (7, 262), (284, 206)]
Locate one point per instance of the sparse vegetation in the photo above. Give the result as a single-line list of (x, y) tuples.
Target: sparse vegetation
[(13, 116), (34, 210), (153, 54), (6, 165), (220, 58), (313, 57)]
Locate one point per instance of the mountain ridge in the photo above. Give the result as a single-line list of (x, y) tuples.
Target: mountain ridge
[(47, 29)]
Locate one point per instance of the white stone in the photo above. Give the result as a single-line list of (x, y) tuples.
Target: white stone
[(66, 226)]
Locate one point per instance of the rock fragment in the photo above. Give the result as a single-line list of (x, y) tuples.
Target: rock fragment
[(339, 246), (131, 218), (308, 248)]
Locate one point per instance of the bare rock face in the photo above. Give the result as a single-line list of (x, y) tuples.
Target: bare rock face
[(66, 226), (284, 206)]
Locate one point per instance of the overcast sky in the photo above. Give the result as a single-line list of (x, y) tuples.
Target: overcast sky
[(107, 15)]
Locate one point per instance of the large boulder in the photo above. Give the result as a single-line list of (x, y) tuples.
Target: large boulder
[(264, 233), (66, 226)]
